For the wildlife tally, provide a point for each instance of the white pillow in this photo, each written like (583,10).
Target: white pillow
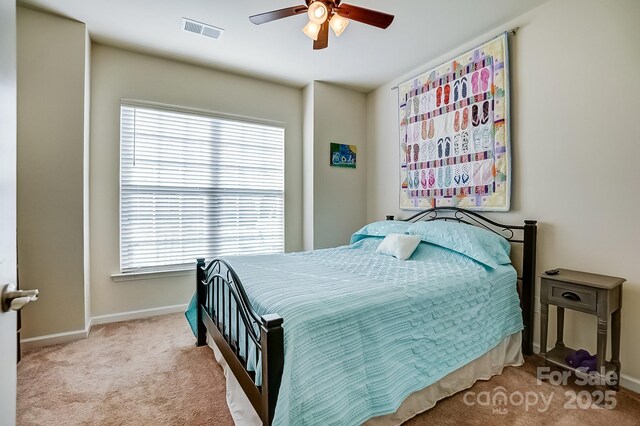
(400,246)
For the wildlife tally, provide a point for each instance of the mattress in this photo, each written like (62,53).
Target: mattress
(364,331)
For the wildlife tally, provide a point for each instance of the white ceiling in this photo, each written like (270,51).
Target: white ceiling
(363,57)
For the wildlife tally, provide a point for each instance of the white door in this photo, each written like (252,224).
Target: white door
(7,206)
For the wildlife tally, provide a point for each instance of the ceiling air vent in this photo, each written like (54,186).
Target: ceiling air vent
(203,29)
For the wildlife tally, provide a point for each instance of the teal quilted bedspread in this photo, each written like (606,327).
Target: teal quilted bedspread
(363,330)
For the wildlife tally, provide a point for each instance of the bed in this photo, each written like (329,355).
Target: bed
(349,336)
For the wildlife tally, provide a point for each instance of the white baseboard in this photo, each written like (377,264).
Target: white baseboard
(628,382)
(54,339)
(144,313)
(70,336)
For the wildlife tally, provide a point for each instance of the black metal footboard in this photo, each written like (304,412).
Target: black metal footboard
(244,338)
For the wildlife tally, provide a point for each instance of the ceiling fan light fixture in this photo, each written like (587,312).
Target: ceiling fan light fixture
(312,30)
(325,14)
(338,24)
(318,12)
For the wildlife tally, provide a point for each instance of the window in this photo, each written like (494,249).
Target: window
(197,185)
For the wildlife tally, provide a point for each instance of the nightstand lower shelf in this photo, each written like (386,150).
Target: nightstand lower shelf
(557,356)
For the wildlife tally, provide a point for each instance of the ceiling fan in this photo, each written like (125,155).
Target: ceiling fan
(324,14)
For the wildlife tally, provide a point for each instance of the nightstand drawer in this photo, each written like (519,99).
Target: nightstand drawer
(573,296)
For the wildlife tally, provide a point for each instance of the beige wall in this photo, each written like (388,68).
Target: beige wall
(117,74)
(336,206)
(575,152)
(51,142)
(307,164)
(85,179)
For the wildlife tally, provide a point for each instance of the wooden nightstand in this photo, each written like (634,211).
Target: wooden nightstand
(594,294)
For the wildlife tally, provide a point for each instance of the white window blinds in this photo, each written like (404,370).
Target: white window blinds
(195,185)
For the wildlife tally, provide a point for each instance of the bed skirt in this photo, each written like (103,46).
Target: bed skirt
(506,353)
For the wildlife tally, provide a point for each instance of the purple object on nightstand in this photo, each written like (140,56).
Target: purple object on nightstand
(576,358)
(589,364)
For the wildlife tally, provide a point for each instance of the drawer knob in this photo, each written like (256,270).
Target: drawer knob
(571,296)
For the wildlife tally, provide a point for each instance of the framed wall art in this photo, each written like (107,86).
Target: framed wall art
(343,155)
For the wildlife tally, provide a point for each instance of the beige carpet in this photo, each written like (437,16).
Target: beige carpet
(150,372)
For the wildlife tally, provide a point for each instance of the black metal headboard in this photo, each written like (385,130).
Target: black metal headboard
(516,234)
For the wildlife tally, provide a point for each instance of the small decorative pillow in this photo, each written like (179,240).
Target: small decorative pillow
(400,246)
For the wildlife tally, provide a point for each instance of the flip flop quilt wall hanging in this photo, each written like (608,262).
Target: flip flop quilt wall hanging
(454,133)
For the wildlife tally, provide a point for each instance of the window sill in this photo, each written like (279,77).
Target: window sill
(148,275)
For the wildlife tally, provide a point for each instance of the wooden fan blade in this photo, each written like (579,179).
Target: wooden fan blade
(366,16)
(323,37)
(277,14)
